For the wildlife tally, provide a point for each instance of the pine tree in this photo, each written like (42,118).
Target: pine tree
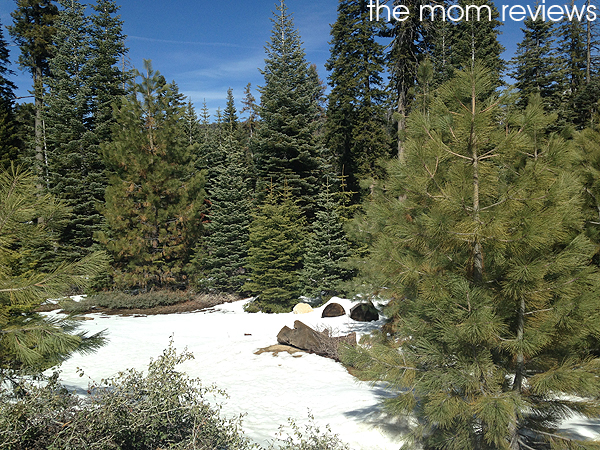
(71,155)
(155,198)
(220,259)
(33,31)
(326,250)
(285,148)
(9,141)
(30,342)
(355,127)
(275,254)
(478,234)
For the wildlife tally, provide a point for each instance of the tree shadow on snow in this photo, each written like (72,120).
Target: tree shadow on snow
(374,416)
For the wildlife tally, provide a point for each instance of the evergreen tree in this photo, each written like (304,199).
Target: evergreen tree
(155,198)
(479,236)
(572,54)
(535,66)
(192,125)
(476,40)
(285,147)
(71,156)
(275,254)
(33,31)
(326,250)
(250,107)
(106,75)
(230,117)
(9,141)
(355,128)
(30,342)
(407,47)
(220,259)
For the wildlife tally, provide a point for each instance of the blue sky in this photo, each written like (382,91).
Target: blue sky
(209,46)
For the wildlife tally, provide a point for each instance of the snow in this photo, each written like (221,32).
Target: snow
(267,389)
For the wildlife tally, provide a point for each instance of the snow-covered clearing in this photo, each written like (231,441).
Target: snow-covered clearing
(268,389)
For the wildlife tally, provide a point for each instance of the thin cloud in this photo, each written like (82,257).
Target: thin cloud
(209,44)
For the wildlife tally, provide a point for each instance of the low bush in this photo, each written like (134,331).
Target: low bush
(145,300)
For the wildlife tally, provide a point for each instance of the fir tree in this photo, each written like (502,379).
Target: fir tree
(275,254)
(535,66)
(572,54)
(192,125)
(407,47)
(476,40)
(221,256)
(249,106)
(230,117)
(106,74)
(355,127)
(285,148)
(154,199)
(30,342)
(70,143)
(326,250)
(33,30)
(479,236)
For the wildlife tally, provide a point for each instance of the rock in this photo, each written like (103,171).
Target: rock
(333,310)
(278,348)
(364,312)
(321,343)
(302,336)
(302,308)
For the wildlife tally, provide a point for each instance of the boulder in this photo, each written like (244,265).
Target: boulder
(302,308)
(302,336)
(364,312)
(319,342)
(333,310)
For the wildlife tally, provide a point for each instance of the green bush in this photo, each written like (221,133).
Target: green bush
(162,409)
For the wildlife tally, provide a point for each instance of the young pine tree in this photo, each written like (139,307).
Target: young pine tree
(31,342)
(155,197)
(275,250)
(479,235)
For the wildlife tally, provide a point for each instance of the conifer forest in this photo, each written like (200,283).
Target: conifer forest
(422,168)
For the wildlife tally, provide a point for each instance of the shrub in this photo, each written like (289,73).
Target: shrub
(162,409)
